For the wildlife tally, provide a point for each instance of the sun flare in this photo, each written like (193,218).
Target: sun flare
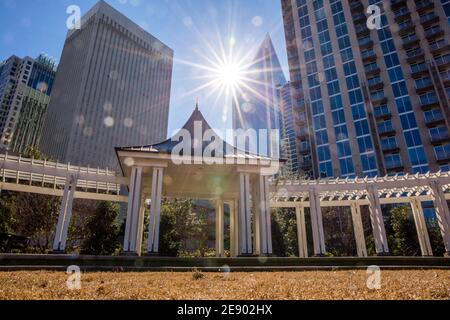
(229,75)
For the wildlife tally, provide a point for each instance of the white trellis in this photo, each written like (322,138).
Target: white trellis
(68,182)
(410,189)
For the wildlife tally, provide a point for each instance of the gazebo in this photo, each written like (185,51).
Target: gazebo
(196,163)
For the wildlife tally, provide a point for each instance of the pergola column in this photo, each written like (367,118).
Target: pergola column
(234,228)
(301,231)
(263,223)
(421,227)
(361,248)
(155,211)
(130,245)
(220,252)
(245,228)
(65,213)
(376,217)
(442,212)
(317,223)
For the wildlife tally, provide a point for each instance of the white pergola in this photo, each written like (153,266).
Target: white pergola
(373,192)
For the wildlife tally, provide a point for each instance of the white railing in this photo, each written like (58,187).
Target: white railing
(53,175)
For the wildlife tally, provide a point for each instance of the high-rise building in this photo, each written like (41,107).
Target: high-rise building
(370,102)
(112,88)
(259,107)
(25,88)
(289,150)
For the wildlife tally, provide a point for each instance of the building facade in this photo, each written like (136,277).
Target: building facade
(112,88)
(25,88)
(370,102)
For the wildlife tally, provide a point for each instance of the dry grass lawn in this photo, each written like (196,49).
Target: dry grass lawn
(417,284)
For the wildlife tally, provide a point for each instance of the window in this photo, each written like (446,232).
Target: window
(346,166)
(321,137)
(349,68)
(368,162)
(336,102)
(352,82)
(341,132)
(408,121)
(326,170)
(323,153)
(391,60)
(333,87)
(319,122)
(328,62)
(355,96)
(331,74)
(358,111)
(338,117)
(317,107)
(412,138)
(344,149)
(365,144)
(403,104)
(400,89)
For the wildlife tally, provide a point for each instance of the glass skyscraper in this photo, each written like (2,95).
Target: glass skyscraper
(25,88)
(370,102)
(259,106)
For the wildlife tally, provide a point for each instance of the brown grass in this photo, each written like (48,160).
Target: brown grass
(418,284)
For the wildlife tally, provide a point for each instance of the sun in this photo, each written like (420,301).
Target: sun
(229,75)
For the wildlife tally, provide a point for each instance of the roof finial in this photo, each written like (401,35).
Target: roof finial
(196,105)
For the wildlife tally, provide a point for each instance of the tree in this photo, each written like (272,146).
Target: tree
(284,233)
(169,238)
(403,241)
(102,230)
(35,217)
(7,212)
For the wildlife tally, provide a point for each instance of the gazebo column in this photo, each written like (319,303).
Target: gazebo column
(245,228)
(65,213)
(361,248)
(421,227)
(220,252)
(301,231)
(130,246)
(317,223)
(442,212)
(263,223)
(140,231)
(376,217)
(155,211)
(234,230)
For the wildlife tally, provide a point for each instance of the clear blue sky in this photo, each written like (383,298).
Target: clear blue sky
(29,27)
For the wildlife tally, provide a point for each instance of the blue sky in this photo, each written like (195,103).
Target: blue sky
(29,27)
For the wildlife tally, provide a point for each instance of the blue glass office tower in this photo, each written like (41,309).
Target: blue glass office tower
(370,102)
(259,105)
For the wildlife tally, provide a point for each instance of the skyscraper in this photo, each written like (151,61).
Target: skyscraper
(289,150)
(370,102)
(259,107)
(112,88)
(25,88)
